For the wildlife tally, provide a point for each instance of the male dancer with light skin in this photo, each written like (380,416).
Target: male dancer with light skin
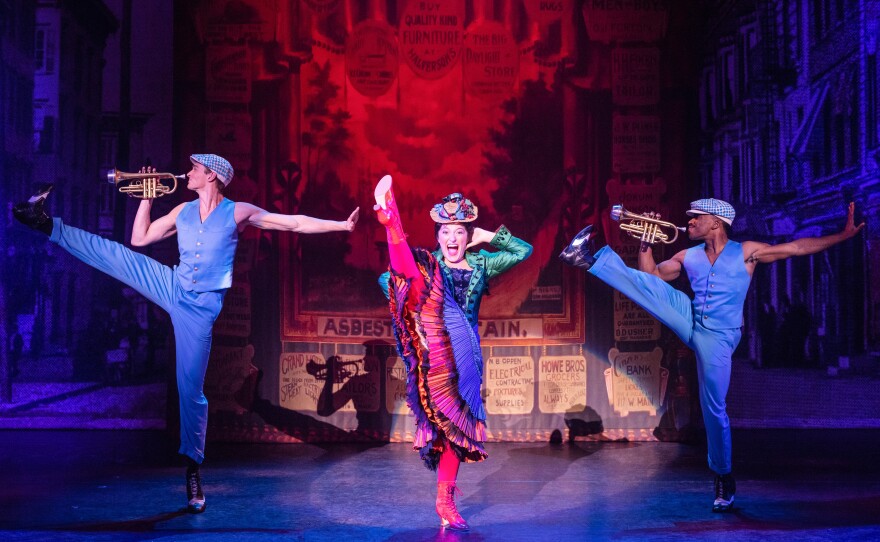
(192,292)
(720,271)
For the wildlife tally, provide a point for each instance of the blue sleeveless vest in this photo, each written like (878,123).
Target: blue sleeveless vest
(720,289)
(207,249)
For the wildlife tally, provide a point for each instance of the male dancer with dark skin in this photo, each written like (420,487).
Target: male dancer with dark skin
(720,271)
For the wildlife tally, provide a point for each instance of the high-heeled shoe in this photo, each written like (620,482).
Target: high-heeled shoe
(579,252)
(449,516)
(386,209)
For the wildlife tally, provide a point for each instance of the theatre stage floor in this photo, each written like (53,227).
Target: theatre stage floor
(126,485)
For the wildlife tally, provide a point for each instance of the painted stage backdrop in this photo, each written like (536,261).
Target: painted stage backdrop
(545,113)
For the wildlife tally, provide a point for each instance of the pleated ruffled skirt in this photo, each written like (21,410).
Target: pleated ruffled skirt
(441,351)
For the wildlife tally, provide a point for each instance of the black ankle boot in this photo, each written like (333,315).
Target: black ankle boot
(579,252)
(32,214)
(725,489)
(194,494)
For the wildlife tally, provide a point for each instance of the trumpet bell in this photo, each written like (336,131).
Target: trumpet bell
(144,185)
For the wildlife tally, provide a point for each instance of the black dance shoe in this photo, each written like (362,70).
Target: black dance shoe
(725,488)
(196,498)
(31,212)
(579,252)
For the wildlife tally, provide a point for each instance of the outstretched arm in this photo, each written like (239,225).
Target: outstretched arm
(764,253)
(146,231)
(667,270)
(247,214)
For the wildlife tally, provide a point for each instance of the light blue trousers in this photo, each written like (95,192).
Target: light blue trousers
(714,348)
(192,314)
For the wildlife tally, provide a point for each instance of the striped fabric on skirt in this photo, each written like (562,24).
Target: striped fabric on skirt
(444,364)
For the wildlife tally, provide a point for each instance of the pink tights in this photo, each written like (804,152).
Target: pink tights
(447,469)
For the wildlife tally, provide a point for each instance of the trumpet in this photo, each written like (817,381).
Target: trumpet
(644,228)
(144,185)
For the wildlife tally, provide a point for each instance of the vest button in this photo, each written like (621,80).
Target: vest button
(198,255)
(195,268)
(194,281)
(705,316)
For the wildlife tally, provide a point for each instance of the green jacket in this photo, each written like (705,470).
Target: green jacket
(485,265)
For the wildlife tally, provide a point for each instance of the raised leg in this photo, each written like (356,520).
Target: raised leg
(399,253)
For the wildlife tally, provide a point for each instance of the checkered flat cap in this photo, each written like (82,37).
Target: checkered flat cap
(217,164)
(716,207)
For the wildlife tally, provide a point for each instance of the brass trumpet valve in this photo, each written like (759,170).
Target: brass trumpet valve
(144,185)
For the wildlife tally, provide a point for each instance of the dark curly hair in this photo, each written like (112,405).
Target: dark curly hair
(468,226)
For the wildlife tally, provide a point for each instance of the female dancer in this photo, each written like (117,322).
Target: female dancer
(434,300)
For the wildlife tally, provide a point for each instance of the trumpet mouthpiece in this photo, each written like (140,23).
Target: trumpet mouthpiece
(111,176)
(617,212)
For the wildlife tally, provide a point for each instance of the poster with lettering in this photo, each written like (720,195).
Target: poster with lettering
(635,143)
(635,76)
(546,12)
(298,387)
(626,20)
(235,21)
(355,383)
(230,369)
(491,60)
(323,7)
(509,383)
(245,254)
(637,197)
(631,322)
(636,382)
(359,329)
(235,319)
(362,329)
(371,58)
(520,328)
(431,36)
(562,383)
(395,386)
(229,135)
(228,74)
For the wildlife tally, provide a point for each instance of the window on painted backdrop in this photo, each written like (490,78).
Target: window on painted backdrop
(44,51)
